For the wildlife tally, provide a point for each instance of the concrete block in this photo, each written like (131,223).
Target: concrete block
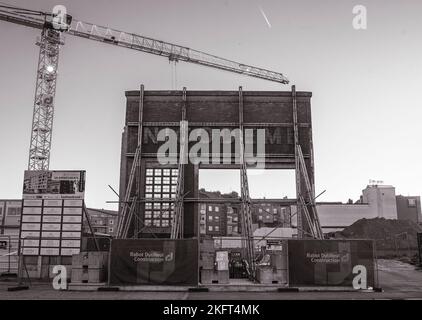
(85,275)
(223,276)
(207,261)
(264,275)
(207,276)
(278,261)
(97,259)
(79,260)
(280,276)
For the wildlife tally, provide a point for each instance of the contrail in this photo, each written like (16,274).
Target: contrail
(265,16)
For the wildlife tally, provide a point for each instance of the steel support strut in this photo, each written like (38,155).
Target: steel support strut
(247,231)
(177,221)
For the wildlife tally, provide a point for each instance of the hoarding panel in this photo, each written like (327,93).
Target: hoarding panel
(50,251)
(31,210)
(72,211)
(71,243)
(51,227)
(50,243)
(53,185)
(30,251)
(72,219)
(73,203)
(56,219)
(30,242)
(30,234)
(71,234)
(154,261)
(50,234)
(72,227)
(46,194)
(27,218)
(30,226)
(54,211)
(53,203)
(32,203)
(69,251)
(329,262)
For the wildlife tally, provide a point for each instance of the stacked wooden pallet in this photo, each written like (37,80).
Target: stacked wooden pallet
(89,267)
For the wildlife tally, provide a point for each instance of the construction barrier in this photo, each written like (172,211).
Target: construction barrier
(330,262)
(154,262)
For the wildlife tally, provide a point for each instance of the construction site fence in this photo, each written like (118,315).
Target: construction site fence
(9,258)
(303,270)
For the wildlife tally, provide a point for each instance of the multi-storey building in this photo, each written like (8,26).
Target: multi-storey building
(225,219)
(271,215)
(10,217)
(102,221)
(409,208)
(233,220)
(218,219)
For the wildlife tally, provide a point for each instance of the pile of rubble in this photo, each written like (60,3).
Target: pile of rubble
(389,234)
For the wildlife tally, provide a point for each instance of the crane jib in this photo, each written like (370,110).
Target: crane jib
(133,41)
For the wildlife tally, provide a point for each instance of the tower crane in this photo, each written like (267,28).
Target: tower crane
(54,25)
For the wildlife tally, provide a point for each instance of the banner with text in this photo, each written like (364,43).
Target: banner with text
(330,262)
(154,261)
(52,213)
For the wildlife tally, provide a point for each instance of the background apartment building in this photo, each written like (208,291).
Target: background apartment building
(217,219)
(102,221)
(376,201)
(271,215)
(10,216)
(409,208)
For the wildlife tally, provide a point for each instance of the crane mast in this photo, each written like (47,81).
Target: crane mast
(45,91)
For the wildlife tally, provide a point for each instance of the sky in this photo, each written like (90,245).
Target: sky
(366,84)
